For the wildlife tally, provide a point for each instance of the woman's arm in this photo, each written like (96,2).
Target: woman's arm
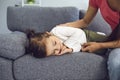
(91,12)
(94,46)
(112,44)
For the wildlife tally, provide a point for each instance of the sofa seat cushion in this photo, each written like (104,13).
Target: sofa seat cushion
(76,66)
(6,69)
(12,45)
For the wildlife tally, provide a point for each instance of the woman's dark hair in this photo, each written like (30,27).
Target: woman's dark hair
(36,43)
(115,35)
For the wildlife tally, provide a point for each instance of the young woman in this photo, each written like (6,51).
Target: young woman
(110,10)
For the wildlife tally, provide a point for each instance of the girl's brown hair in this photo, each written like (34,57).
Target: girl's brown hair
(37,43)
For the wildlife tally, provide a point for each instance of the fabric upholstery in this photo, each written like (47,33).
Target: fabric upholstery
(6,69)
(76,66)
(12,45)
(39,18)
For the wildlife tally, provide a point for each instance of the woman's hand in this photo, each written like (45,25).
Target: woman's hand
(76,24)
(69,24)
(91,47)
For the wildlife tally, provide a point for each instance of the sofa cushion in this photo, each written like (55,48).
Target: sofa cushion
(12,45)
(39,18)
(6,69)
(76,66)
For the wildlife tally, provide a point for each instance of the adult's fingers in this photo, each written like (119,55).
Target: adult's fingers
(85,49)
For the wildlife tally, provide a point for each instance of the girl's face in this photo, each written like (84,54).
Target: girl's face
(53,45)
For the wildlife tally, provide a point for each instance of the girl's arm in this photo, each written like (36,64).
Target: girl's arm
(91,12)
(72,37)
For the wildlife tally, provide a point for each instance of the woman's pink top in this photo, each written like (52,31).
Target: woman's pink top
(112,17)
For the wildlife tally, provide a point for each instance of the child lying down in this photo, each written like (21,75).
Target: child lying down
(60,40)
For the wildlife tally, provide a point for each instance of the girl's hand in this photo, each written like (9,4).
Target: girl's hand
(65,50)
(91,47)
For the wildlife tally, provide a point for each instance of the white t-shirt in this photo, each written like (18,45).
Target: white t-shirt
(71,37)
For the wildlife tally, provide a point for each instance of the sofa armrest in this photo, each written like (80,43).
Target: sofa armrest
(12,45)
(98,23)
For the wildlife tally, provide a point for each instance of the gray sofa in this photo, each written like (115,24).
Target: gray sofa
(17,64)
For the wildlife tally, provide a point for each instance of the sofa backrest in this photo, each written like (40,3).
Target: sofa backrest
(43,19)
(39,18)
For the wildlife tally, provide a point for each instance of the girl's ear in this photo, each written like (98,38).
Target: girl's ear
(30,33)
